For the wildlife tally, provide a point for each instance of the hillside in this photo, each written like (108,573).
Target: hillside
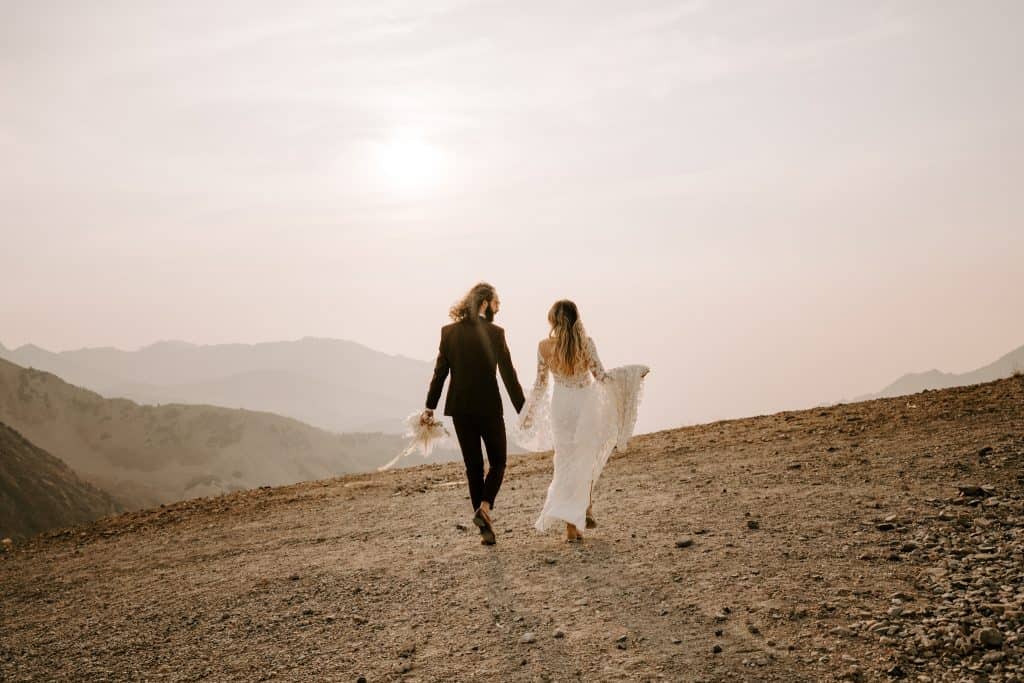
(39,492)
(322,382)
(914,382)
(145,455)
(829,544)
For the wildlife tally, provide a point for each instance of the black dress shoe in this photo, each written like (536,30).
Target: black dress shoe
(483,521)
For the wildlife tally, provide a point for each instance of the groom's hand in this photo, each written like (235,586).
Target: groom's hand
(426,416)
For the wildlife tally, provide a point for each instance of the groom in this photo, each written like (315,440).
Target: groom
(471,348)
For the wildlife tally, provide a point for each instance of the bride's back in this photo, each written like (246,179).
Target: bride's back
(578,376)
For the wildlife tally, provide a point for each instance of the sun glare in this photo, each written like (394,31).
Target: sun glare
(407,163)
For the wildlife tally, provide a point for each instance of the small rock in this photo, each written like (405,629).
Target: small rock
(753,524)
(973,491)
(895,671)
(990,637)
(293,577)
(461,527)
(716,649)
(684,542)
(558,633)
(885,526)
(551,560)
(621,639)
(676,641)
(528,638)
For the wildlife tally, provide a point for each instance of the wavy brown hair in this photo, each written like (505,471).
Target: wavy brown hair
(569,354)
(469,305)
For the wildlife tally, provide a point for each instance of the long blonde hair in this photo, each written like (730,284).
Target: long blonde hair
(469,305)
(569,354)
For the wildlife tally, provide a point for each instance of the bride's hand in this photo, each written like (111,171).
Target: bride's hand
(646,372)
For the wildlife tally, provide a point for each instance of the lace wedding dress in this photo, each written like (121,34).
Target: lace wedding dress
(583,417)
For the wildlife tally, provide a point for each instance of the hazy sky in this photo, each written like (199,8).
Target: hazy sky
(773,204)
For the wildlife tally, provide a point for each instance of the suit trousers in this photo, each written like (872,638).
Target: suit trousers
(490,429)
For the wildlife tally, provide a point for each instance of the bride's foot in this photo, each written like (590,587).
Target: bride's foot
(572,534)
(591,522)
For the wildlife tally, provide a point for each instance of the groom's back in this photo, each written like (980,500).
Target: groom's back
(472,350)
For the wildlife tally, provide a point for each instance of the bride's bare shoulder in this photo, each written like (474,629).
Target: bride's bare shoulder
(544,347)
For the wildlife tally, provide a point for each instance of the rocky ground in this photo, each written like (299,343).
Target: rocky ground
(872,541)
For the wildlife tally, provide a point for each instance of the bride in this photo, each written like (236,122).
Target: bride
(589,413)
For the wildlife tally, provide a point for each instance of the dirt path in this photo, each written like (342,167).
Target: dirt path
(382,576)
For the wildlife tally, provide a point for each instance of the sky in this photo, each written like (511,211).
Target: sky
(773,204)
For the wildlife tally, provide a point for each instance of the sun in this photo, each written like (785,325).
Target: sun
(407,163)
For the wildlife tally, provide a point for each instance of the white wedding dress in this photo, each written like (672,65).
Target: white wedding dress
(583,417)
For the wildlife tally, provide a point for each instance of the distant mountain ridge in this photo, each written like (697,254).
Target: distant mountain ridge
(915,382)
(333,384)
(144,455)
(39,492)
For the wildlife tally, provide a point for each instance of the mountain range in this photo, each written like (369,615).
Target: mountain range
(915,382)
(39,491)
(144,455)
(333,384)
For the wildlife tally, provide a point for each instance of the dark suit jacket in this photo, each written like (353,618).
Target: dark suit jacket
(471,350)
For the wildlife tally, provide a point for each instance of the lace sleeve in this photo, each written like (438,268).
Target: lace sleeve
(540,386)
(533,429)
(594,362)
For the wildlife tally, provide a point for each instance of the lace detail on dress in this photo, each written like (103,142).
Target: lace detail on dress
(533,429)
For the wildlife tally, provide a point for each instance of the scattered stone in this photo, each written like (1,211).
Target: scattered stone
(895,671)
(527,638)
(676,641)
(684,542)
(558,633)
(461,527)
(753,524)
(972,491)
(621,639)
(885,526)
(716,649)
(990,637)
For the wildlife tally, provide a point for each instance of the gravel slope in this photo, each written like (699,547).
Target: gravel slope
(817,545)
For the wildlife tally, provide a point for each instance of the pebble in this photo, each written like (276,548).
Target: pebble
(558,633)
(527,638)
(684,542)
(990,637)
